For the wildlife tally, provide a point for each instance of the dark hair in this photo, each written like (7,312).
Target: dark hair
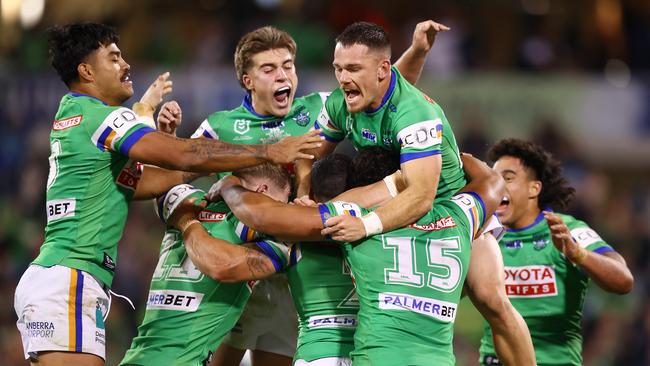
(556,192)
(371,165)
(329,176)
(260,40)
(368,34)
(71,44)
(275,173)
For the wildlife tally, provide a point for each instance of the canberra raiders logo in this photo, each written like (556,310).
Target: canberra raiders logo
(302,119)
(242,126)
(540,241)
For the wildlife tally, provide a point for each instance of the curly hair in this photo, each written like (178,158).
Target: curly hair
(329,176)
(556,192)
(371,165)
(71,44)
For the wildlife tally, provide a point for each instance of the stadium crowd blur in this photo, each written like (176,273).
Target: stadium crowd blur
(603,40)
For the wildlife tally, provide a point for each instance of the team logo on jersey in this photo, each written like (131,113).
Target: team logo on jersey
(174,300)
(392,107)
(211,216)
(67,123)
(368,135)
(302,119)
(269,125)
(513,244)
(443,223)
(540,241)
(530,281)
(242,126)
(387,140)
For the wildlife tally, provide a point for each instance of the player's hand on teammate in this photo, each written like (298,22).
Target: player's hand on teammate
(157,90)
(344,228)
(425,34)
(214,194)
(305,201)
(292,148)
(186,211)
(562,239)
(170,117)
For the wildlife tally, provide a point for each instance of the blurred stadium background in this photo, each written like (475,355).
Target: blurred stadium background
(572,75)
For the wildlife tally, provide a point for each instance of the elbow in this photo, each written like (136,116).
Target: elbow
(625,285)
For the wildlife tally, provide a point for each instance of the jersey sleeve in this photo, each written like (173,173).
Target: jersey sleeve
(119,131)
(330,119)
(339,208)
(206,130)
(473,209)
(587,238)
(419,133)
(277,251)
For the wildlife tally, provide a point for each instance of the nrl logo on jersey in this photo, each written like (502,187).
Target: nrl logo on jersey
(302,119)
(242,126)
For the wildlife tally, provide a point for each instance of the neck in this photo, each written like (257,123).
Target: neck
(93,92)
(527,219)
(383,89)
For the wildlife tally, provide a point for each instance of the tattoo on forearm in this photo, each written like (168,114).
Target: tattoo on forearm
(257,264)
(210,149)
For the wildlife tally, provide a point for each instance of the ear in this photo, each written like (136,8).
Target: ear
(86,72)
(383,71)
(262,188)
(534,188)
(247,81)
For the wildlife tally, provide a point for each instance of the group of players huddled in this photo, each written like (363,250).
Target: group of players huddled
(365,266)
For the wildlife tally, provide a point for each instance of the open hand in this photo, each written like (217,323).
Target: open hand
(157,90)
(293,148)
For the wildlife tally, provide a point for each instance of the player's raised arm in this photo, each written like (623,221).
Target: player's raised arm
(411,62)
(483,181)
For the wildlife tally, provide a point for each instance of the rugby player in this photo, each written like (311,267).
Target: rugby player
(375,106)
(197,294)
(433,256)
(264,64)
(549,256)
(96,148)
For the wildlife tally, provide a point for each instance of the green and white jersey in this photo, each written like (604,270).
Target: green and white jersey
(243,125)
(407,121)
(90,184)
(409,283)
(188,313)
(546,289)
(325,300)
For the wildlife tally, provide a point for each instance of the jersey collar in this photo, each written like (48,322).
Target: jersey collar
(389,92)
(538,219)
(73,94)
(248,104)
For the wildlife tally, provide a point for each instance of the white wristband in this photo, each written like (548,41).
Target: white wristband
(372,224)
(390,184)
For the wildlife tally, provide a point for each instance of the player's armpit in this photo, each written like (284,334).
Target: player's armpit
(484,181)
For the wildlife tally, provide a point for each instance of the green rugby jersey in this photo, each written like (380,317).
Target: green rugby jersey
(90,184)
(546,289)
(325,301)
(243,125)
(409,283)
(188,313)
(407,121)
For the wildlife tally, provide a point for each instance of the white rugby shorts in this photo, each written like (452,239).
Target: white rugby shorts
(60,309)
(269,322)
(326,361)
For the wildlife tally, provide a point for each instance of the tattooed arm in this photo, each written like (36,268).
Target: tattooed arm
(224,261)
(207,156)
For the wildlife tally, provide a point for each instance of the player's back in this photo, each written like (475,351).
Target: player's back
(90,184)
(187,313)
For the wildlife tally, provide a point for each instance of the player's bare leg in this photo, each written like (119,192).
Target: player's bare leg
(485,285)
(227,356)
(261,358)
(66,359)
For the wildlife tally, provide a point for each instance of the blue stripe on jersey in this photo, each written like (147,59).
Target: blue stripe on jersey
(480,200)
(324,213)
(78,307)
(389,92)
(404,157)
(603,250)
(293,256)
(273,256)
(133,138)
(328,138)
(161,202)
(101,141)
(248,104)
(244,232)
(86,95)
(206,134)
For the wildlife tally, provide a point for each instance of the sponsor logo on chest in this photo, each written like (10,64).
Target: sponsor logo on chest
(368,135)
(211,216)
(130,175)
(272,124)
(66,123)
(333,321)
(531,281)
(174,300)
(443,223)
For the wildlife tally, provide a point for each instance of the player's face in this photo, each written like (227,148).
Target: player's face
(521,191)
(359,72)
(272,81)
(111,74)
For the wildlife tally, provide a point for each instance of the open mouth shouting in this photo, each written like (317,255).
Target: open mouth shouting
(505,202)
(126,79)
(282,94)
(351,95)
